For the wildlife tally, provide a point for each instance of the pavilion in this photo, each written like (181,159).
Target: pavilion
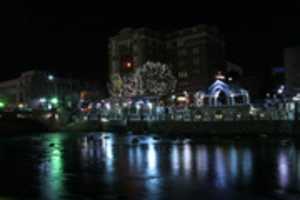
(222,94)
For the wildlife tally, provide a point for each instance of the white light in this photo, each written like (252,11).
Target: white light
(181,98)
(49,107)
(50,77)
(150,105)
(229,78)
(104,120)
(42,100)
(138,106)
(107,105)
(173,97)
(21,106)
(125,104)
(297,97)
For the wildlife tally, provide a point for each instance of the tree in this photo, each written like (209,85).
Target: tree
(156,79)
(150,79)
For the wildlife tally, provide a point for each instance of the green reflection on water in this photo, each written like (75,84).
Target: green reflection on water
(52,180)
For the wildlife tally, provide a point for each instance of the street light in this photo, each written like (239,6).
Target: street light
(50,77)
(43,100)
(2,104)
(54,100)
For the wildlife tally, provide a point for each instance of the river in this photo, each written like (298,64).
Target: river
(113,166)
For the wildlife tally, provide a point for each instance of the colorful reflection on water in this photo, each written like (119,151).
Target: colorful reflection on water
(144,167)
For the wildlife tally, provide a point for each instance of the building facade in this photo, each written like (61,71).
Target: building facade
(194,54)
(32,86)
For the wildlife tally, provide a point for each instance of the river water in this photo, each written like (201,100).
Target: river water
(112,166)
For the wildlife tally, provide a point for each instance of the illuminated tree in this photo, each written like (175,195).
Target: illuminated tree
(149,79)
(156,79)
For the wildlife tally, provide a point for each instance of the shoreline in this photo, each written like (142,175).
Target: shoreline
(192,129)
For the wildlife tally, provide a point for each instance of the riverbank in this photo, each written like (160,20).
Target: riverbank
(201,129)
(197,129)
(10,126)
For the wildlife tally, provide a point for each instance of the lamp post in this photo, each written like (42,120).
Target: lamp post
(51,78)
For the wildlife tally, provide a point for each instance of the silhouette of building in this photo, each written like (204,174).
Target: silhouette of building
(292,64)
(195,54)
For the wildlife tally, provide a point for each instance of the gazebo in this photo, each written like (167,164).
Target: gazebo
(222,94)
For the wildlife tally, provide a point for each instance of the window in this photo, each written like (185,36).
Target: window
(195,50)
(182,74)
(196,61)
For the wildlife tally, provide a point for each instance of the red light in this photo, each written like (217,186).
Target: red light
(128,64)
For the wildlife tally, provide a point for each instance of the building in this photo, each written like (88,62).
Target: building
(34,87)
(132,48)
(195,54)
(292,65)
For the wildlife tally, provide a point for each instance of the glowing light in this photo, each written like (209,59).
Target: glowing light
(128,64)
(107,105)
(150,106)
(151,160)
(229,78)
(21,106)
(297,97)
(220,76)
(54,100)
(49,107)
(43,100)
(50,77)
(220,167)
(2,104)
(181,99)
(283,169)
(138,106)
(104,120)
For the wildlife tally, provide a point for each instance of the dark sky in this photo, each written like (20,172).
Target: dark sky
(70,38)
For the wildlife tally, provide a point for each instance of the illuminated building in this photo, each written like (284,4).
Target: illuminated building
(33,88)
(195,54)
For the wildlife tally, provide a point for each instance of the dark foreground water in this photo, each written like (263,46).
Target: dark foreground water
(110,166)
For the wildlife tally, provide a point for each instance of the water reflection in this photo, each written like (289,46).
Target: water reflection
(152,166)
(247,165)
(52,168)
(283,169)
(202,162)
(109,163)
(220,168)
(187,159)
(175,162)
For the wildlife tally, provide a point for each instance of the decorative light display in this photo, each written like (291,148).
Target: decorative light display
(220,76)
(54,100)
(149,79)
(2,104)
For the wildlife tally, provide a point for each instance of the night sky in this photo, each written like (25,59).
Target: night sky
(72,39)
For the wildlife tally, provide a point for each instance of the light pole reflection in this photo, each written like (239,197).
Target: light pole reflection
(202,161)
(283,169)
(175,163)
(220,168)
(187,159)
(247,164)
(233,157)
(152,160)
(52,168)
(108,142)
